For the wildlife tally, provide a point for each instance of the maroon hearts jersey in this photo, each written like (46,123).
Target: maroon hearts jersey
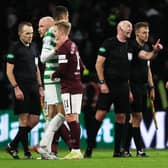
(70,67)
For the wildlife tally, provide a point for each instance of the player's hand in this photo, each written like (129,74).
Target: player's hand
(18,93)
(104,88)
(157,46)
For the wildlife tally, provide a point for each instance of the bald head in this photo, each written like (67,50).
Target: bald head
(44,24)
(124,24)
(47,21)
(124,29)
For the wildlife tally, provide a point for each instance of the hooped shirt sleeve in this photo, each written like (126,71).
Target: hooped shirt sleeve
(48,46)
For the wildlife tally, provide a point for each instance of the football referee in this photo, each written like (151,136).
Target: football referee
(24,76)
(112,68)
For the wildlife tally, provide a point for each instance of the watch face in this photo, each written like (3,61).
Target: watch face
(101,81)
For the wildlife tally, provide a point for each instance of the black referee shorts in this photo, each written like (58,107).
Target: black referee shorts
(119,96)
(140,98)
(31,103)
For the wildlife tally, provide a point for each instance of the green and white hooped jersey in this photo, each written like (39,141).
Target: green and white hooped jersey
(51,65)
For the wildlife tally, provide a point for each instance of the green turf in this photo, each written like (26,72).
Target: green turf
(100,159)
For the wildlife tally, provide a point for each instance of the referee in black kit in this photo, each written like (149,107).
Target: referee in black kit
(24,76)
(112,68)
(141,82)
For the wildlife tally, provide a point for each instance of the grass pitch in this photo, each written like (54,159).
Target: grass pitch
(100,159)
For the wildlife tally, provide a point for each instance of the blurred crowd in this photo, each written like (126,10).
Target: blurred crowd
(92,22)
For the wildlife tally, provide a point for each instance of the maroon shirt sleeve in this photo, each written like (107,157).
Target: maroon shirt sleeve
(61,70)
(69,68)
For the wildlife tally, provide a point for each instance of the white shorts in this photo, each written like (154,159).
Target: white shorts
(52,94)
(72,103)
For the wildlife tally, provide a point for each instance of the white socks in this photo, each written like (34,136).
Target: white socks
(52,127)
(47,124)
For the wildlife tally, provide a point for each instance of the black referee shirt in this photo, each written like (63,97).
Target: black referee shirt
(138,66)
(23,58)
(116,66)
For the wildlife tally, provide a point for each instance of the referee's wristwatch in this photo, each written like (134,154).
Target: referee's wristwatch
(101,82)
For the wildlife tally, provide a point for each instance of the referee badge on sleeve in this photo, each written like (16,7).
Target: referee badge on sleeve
(10,56)
(102,49)
(36,61)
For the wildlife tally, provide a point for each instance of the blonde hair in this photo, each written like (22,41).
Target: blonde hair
(64,25)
